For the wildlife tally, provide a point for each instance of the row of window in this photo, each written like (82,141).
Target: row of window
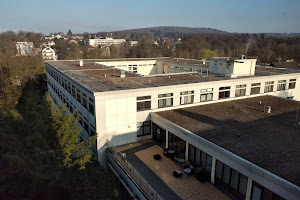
(90,129)
(231,180)
(80,96)
(187,97)
(199,158)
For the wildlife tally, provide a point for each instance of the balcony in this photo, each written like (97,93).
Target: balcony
(155,177)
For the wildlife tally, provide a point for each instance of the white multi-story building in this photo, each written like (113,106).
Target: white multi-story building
(121,100)
(25,48)
(48,53)
(104,42)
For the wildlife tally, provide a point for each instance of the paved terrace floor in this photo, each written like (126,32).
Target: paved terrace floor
(159,174)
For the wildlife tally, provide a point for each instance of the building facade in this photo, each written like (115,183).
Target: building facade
(104,42)
(118,99)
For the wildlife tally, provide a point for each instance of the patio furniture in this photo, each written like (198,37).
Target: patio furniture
(181,161)
(187,171)
(171,153)
(157,157)
(202,176)
(177,173)
(165,152)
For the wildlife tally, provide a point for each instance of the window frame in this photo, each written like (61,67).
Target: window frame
(163,98)
(225,91)
(254,87)
(269,86)
(292,83)
(143,103)
(240,90)
(141,127)
(186,97)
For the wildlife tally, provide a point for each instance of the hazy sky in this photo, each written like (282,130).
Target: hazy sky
(252,16)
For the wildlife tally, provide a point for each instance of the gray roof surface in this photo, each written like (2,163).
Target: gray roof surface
(99,78)
(271,141)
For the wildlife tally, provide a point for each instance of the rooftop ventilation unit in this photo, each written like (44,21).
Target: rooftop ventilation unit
(268,109)
(242,56)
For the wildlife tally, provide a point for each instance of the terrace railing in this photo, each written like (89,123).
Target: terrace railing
(132,173)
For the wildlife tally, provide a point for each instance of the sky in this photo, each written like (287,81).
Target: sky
(241,16)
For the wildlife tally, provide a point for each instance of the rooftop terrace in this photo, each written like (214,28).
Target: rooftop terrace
(101,78)
(269,140)
(159,174)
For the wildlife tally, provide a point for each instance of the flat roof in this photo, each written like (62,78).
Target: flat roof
(270,141)
(100,78)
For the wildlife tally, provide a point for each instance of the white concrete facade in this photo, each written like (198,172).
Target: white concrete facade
(232,67)
(104,42)
(115,116)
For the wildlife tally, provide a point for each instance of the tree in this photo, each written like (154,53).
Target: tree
(67,132)
(69,33)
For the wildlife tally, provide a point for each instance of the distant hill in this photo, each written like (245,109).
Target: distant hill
(180,31)
(174,29)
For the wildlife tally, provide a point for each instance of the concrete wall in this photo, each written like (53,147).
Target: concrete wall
(244,69)
(240,67)
(147,67)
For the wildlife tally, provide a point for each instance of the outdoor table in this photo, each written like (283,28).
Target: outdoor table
(180,160)
(171,153)
(187,171)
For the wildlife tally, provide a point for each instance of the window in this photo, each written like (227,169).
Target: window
(240,90)
(91,106)
(255,88)
(292,84)
(165,100)
(269,86)
(186,97)
(92,132)
(78,96)
(143,103)
(206,95)
(69,88)
(143,128)
(86,127)
(259,192)
(84,101)
(231,180)
(73,91)
(281,85)
(224,92)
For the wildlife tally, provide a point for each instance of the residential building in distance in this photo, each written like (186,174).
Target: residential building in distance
(104,42)
(48,53)
(25,48)
(133,43)
(234,123)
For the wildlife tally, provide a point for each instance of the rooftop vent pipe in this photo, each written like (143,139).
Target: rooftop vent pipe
(268,109)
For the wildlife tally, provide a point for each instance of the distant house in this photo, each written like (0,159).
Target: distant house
(48,53)
(25,48)
(73,41)
(133,43)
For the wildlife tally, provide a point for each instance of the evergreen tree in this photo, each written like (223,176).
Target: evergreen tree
(67,132)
